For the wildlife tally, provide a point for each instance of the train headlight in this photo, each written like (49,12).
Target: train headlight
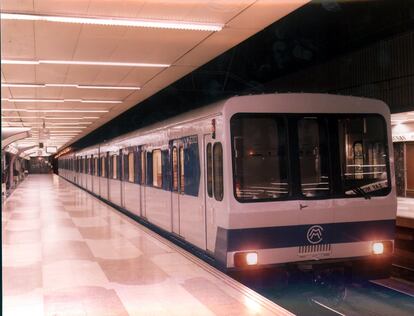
(377,248)
(382,247)
(242,259)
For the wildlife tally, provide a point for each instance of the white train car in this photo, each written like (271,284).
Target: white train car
(259,181)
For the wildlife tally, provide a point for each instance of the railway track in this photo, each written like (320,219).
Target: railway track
(365,298)
(385,297)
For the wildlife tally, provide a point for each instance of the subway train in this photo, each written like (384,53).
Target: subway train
(259,181)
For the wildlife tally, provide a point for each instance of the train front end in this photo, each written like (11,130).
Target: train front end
(312,184)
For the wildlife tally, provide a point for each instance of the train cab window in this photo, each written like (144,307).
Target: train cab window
(259,154)
(103,167)
(181,169)
(313,157)
(209,171)
(218,171)
(364,155)
(114,166)
(156,168)
(131,164)
(175,169)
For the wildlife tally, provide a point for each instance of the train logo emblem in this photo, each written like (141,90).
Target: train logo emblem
(314,234)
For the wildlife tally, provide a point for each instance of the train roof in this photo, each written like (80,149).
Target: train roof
(358,105)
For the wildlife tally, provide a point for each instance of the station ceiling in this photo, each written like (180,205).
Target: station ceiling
(70,66)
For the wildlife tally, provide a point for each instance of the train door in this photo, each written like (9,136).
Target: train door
(314,180)
(177,161)
(210,225)
(143,182)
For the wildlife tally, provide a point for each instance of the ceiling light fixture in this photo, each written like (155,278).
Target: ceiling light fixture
(48,117)
(22,85)
(61,100)
(33,100)
(148,23)
(79,62)
(54,111)
(66,85)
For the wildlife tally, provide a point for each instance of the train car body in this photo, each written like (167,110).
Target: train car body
(258,181)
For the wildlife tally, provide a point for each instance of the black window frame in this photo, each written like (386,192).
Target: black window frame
(336,184)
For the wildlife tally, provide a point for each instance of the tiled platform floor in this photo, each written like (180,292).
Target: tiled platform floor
(67,253)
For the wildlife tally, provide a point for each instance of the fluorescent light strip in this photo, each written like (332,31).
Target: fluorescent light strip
(54,111)
(60,100)
(66,85)
(79,62)
(33,100)
(22,85)
(163,24)
(48,124)
(19,62)
(49,117)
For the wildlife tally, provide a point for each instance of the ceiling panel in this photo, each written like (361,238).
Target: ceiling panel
(263,13)
(67,7)
(113,75)
(155,45)
(21,93)
(49,74)
(17,39)
(5,92)
(97,42)
(217,11)
(18,73)
(16,5)
(125,8)
(139,76)
(56,40)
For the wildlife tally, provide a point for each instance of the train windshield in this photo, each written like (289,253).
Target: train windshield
(259,157)
(322,156)
(363,155)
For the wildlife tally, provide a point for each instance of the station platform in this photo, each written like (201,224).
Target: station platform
(67,253)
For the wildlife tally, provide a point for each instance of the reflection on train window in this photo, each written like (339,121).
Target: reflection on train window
(259,157)
(209,170)
(103,171)
(96,170)
(175,169)
(218,171)
(114,166)
(363,151)
(156,168)
(143,168)
(313,156)
(182,179)
(131,165)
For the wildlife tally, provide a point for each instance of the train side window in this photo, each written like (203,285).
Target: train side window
(143,168)
(103,171)
(131,164)
(114,166)
(209,170)
(175,169)
(218,171)
(182,175)
(96,170)
(156,168)
(149,170)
